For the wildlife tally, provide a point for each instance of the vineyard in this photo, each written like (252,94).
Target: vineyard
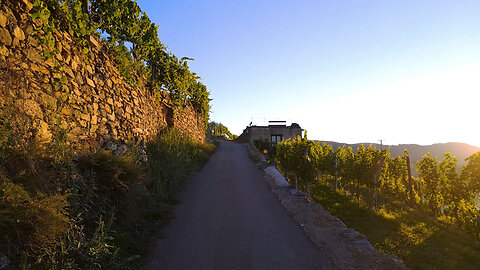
(416,218)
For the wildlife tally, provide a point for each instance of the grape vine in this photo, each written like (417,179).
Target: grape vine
(438,187)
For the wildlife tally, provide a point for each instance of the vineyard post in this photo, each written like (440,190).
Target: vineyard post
(377,175)
(336,171)
(410,184)
(86,6)
(306,159)
(420,190)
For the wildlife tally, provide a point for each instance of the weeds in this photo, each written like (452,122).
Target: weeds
(172,158)
(93,211)
(420,240)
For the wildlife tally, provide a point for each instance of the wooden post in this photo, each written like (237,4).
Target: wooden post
(377,175)
(309,181)
(410,183)
(336,171)
(86,6)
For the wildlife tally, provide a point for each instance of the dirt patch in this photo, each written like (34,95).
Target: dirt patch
(347,248)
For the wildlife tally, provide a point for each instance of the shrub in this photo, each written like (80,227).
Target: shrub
(266,147)
(32,223)
(94,211)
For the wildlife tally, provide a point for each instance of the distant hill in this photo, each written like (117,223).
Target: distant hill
(460,150)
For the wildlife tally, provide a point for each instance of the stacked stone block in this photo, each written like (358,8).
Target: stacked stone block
(82,93)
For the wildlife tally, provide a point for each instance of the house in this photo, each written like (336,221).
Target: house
(276,131)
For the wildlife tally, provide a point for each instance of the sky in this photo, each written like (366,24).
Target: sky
(346,71)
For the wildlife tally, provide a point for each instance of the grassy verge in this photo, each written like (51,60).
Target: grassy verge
(93,211)
(421,241)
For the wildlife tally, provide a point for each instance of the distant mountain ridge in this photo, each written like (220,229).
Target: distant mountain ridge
(460,150)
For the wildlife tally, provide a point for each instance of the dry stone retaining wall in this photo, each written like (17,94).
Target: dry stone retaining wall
(82,93)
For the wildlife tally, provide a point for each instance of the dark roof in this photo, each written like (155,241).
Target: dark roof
(294,125)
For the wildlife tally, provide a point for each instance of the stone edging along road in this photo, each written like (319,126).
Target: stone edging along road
(346,248)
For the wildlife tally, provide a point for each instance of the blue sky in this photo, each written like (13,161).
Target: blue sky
(348,71)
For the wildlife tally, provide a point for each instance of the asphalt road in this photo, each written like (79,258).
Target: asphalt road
(228,218)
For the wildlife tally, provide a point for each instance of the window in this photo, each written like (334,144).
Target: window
(276,139)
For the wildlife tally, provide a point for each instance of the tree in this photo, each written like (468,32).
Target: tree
(220,130)
(471,172)
(470,183)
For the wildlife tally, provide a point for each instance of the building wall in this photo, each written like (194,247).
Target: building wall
(265,133)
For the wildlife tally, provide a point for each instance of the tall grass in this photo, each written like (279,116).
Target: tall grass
(171,159)
(93,211)
(420,240)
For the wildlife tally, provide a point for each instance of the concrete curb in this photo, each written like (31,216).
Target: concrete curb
(278,179)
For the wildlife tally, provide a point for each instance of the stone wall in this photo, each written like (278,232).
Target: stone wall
(190,122)
(77,92)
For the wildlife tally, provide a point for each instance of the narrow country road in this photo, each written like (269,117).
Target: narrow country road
(227,218)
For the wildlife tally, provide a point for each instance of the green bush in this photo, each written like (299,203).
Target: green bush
(266,147)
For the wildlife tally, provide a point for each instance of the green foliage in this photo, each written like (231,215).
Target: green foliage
(304,160)
(471,172)
(62,15)
(94,211)
(346,165)
(420,240)
(33,223)
(172,159)
(118,173)
(125,63)
(367,161)
(42,12)
(429,171)
(443,216)
(265,147)
(123,22)
(395,182)
(220,131)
